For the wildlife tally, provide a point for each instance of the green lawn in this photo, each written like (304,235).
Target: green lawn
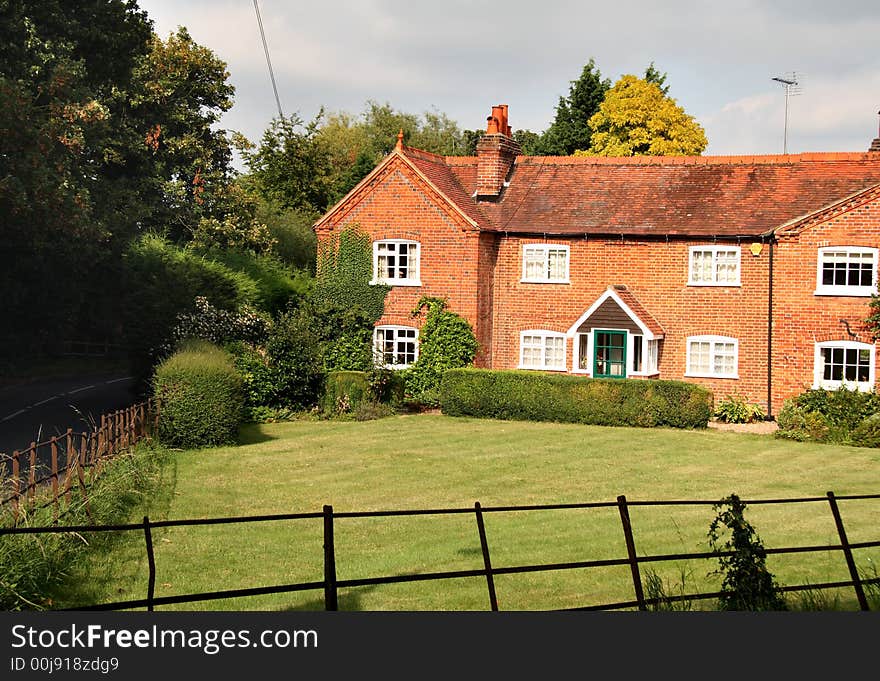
(432,461)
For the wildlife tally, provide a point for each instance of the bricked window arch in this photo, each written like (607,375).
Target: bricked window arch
(844,364)
(396,347)
(545,263)
(714,266)
(846,271)
(541,349)
(712,357)
(397,262)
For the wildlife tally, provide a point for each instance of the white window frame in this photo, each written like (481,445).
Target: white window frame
(818,366)
(713,342)
(650,353)
(844,289)
(543,334)
(714,250)
(409,280)
(545,249)
(379,352)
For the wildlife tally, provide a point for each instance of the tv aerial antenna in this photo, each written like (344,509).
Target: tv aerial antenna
(792,86)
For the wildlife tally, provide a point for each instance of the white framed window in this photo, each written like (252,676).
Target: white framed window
(714,266)
(545,264)
(643,355)
(846,271)
(844,364)
(396,347)
(712,357)
(396,262)
(542,350)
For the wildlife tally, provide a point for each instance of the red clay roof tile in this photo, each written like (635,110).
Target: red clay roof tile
(724,196)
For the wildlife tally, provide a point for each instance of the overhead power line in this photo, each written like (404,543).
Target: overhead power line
(268,61)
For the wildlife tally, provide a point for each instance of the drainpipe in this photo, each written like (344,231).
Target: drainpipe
(770,333)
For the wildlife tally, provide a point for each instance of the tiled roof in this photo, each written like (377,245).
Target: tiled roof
(438,171)
(724,196)
(633,304)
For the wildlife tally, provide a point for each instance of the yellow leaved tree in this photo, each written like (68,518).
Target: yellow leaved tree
(636,118)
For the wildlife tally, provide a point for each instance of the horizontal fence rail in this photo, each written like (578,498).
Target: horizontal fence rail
(331,584)
(50,472)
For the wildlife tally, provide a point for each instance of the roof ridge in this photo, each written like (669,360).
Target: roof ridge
(753,159)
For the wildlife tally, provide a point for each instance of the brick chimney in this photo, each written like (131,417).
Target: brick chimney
(496,151)
(875,145)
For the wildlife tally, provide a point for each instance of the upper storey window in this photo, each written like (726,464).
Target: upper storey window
(396,262)
(714,266)
(545,264)
(846,271)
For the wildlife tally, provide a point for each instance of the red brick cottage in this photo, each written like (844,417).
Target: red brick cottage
(750,275)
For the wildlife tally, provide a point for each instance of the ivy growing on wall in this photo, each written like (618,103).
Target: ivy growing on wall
(446,341)
(872,323)
(346,302)
(344,271)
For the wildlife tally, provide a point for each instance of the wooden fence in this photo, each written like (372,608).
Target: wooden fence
(45,473)
(331,584)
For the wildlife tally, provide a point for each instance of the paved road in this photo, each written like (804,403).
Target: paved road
(37,411)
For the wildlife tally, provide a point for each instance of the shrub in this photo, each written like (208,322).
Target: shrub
(293,354)
(446,341)
(747,583)
(736,409)
(573,399)
(826,415)
(162,281)
(220,326)
(867,433)
(201,397)
(345,391)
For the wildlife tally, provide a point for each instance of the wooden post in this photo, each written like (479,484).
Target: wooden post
(53,447)
(151,582)
(487,563)
(847,552)
(82,476)
(331,601)
(631,551)
(16,486)
(70,464)
(32,474)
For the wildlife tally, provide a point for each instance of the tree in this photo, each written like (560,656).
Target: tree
(652,75)
(570,129)
(291,165)
(637,119)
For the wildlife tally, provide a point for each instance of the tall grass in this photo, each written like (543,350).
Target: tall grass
(34,566)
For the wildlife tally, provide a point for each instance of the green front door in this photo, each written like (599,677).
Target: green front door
(609,354)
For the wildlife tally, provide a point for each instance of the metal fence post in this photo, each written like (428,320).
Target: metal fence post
(487,563)
(151,582)
(330,594)
(631,551)
(847,552)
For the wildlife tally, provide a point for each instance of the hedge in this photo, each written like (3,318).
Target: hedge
(345,391)
(523,395)
(201,397)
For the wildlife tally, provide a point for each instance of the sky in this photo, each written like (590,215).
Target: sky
(461,58)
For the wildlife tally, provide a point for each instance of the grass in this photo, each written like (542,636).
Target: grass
(432,461)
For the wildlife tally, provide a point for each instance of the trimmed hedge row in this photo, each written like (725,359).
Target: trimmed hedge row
(201,397)
(523,395)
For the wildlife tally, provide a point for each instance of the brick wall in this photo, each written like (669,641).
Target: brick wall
(656,272)
(397,204)
(802,318)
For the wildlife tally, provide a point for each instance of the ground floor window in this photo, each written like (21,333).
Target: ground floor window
(613,353)
(542,350)
(712,357)
(396,347)
(844,363)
